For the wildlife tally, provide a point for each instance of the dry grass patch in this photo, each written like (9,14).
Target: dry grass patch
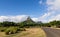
(32,32)
(55,28)
(2,34)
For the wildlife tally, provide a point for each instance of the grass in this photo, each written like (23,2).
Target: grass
(30,32)
(56,28)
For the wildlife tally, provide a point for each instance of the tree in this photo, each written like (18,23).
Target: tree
(7,23)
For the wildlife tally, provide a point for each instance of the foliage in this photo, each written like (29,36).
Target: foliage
(13,30)
(7,23)
(2,29)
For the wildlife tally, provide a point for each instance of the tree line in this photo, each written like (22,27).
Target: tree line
(25,24)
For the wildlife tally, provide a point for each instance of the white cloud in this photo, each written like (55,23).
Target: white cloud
(35,19)
(18,18)
(53,11)
(57,17)
(53,8)
(54,4)
(44,18)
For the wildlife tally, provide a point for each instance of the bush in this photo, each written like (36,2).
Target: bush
(22,29)
(7,32)
(13,30)
(2,29)
(49,26)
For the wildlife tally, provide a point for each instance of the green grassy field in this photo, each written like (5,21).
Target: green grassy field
(30,32)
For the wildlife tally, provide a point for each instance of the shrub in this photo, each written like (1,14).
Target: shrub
(13,30)
(49,26)
(7,32)
(22,29)
(2,29)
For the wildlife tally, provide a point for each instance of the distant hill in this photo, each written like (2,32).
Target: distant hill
(39,22)
(29,20)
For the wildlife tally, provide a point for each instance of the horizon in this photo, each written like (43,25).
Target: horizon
(38,10)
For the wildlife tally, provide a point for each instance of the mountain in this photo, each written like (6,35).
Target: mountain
(29,20)
(39,22)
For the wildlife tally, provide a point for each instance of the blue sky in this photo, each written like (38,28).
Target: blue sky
(22,7)
(38,10)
